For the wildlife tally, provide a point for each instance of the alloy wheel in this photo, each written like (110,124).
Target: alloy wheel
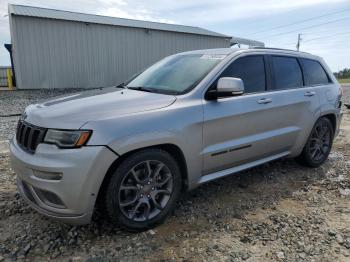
(320,141)
(145,190)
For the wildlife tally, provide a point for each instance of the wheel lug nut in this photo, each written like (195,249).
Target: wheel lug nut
(148,196)
(141,195)
(152,188)
(148,182)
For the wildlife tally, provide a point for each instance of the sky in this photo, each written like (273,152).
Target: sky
(324,24)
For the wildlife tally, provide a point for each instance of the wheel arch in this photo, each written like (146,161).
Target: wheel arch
(333,119)
(172,149)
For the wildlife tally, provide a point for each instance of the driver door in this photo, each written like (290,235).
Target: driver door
(242,129)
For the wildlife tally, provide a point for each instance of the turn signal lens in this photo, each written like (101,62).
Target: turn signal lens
(84,136)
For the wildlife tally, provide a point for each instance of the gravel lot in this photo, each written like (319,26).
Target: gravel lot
(278,211)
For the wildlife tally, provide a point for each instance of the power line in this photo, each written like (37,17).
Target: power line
(318,33)
(316,38)
(313,26)
(327,36)
(299,22)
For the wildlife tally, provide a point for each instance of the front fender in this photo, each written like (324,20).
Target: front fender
(135,142)
(123,145)
(176,125)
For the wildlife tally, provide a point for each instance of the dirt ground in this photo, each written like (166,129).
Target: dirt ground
(279,211)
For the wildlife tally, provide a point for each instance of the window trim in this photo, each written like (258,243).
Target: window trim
(229,63)
(330,81)
(273,76)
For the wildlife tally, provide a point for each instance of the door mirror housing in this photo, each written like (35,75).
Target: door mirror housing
(227,87)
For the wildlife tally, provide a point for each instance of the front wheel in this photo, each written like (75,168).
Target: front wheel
(319,144)
(143,190)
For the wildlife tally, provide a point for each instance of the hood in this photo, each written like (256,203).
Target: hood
(71,112)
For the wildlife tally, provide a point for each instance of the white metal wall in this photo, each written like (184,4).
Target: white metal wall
(52,53)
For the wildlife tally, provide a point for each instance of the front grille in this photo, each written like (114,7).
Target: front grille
(29,136)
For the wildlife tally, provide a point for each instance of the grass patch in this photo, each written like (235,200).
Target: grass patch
(344,81)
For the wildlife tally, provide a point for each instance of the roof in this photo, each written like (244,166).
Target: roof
(107,20)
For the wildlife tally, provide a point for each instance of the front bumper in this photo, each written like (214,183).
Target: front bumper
(71,197)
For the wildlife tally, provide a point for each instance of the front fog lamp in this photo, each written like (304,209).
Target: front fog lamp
(67,138)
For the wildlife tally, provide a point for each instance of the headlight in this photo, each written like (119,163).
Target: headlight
(67,139)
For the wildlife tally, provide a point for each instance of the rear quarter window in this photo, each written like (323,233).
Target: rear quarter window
(287,72)
(314,73)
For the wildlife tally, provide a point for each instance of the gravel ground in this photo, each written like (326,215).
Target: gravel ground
(278,211)
(13,104)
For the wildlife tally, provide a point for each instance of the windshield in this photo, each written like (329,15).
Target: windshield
(176,74)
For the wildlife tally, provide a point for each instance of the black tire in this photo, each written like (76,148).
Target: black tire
(136,172)
(318,145)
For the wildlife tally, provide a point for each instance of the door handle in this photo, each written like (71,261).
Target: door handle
(264,100)
(310,93)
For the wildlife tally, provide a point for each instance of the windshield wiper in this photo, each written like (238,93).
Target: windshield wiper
(122,85)
(141,88)
(154,90)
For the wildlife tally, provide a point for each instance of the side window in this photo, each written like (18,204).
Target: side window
(287,72)
(314,73)
(251,69)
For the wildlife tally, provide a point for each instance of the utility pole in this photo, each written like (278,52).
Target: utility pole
(299,40)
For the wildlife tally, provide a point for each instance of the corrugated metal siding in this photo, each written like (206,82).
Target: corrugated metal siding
(3,75)
(65,54)
(98,19)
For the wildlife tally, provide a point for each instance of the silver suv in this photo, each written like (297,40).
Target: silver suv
(191,118)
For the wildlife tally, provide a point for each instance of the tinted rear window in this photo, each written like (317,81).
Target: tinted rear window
(314,73)
(251,69)
(287,72)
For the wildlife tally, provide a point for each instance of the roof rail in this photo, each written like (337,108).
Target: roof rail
(280,49)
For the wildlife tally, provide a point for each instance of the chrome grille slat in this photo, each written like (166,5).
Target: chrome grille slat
(29,136)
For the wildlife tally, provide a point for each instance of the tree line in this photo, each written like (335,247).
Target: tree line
(343,74)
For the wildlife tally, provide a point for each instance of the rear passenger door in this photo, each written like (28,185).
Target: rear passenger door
(295,104)
(318,81)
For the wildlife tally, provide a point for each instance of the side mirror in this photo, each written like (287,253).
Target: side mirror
(226,87)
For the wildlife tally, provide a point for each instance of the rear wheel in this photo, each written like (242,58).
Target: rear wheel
(143,190)
(319,144)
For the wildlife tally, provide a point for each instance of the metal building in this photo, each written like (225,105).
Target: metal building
(60,49)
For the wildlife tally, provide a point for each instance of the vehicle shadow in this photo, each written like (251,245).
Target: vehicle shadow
(235,195)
